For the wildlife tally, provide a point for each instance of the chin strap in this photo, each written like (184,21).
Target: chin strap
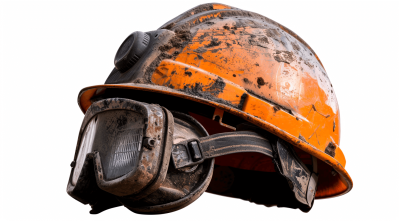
(301,180)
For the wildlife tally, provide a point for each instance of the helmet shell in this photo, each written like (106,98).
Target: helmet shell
(252,67)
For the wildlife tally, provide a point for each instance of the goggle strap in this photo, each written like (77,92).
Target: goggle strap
(302,181)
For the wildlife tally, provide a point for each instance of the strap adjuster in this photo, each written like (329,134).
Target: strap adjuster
(187,153)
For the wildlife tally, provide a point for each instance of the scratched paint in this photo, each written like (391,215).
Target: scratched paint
(239,52)
(265,73)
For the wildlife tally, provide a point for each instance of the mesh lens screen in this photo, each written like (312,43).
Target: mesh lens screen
(124,153)
(117,136)
(118,140)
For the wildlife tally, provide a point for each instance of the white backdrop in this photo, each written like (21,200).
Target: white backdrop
(52,49)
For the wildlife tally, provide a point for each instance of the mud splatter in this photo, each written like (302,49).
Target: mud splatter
(242,100)
(169,26)
(189,73)
(302,138)
(200,50)
(214,42)
(284,56)
(331,149)
(183,34)
(263,40)
(276,108)
(201,37)
(260,81)
(308,64)
(217,87)
(295,46)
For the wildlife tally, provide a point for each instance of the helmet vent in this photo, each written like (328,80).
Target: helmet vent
(133,60)
(131,50)
(146,39)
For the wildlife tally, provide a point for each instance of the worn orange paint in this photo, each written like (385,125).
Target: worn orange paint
(203,18)
(220,6)
(178,75)
(288,91)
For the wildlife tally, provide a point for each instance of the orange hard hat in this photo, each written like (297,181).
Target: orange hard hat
(237,66)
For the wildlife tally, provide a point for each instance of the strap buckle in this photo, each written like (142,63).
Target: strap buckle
(187,153)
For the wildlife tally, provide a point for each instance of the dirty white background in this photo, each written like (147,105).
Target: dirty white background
(52,49)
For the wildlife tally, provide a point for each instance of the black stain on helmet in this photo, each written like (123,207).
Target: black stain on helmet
(217,87)
(200,50)
(331,149)
(260,82)
(210,93)
(242,100)
(276,108)
(183,34)
(334,126)
(214,42)
(204,35)
(188,73)
(302,138)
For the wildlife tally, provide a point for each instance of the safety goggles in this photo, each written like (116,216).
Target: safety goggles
(152,160)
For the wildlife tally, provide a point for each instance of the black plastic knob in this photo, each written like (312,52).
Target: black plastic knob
(131,50)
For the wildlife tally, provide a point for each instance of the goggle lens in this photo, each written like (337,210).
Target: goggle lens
(119,137)
(85,148)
